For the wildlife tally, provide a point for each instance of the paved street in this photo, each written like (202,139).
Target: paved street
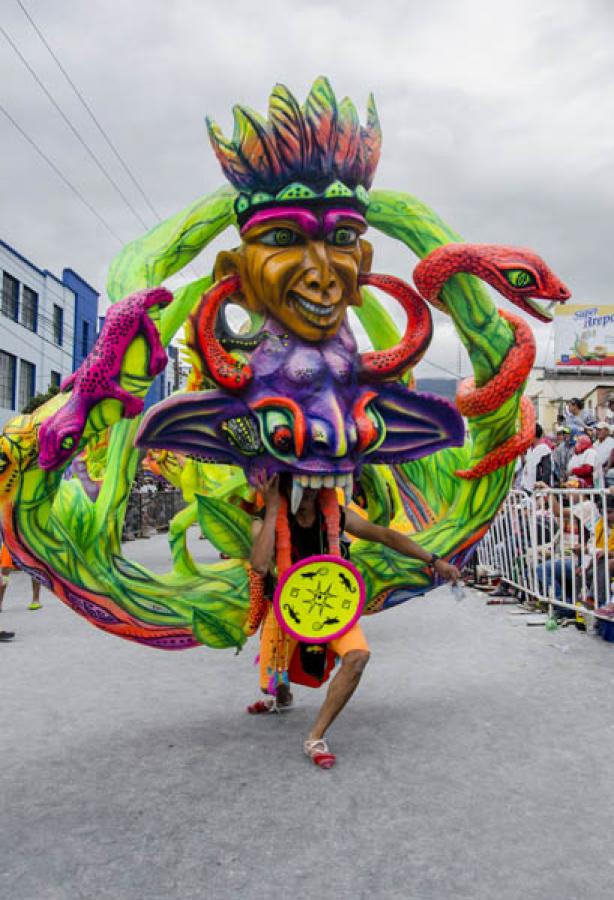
(473,763)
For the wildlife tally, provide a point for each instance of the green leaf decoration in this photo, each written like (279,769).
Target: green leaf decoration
(214,632)
(228,527)
(132,570)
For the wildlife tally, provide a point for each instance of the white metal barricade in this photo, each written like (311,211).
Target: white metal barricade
(553,546)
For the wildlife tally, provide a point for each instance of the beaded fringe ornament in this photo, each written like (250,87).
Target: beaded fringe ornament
(329,507)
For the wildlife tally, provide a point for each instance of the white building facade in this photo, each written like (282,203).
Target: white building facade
(37,331)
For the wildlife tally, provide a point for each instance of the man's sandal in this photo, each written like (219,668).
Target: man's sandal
(270,705)
(318,751)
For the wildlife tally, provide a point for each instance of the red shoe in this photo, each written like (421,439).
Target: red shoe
(261,706)
(270,705)
(318,751)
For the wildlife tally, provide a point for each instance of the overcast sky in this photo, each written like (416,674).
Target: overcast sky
(499,115)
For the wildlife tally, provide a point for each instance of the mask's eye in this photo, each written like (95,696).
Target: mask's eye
(67,443)
(279,431)
(4,461)
(343,237)
(280,237)
(283,427)
(282,439)
(520,278)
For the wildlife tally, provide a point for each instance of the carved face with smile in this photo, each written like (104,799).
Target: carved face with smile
(301,266)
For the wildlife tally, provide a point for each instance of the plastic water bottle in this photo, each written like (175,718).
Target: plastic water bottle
(457,590)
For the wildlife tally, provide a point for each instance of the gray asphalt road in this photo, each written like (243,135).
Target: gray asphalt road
(474,762)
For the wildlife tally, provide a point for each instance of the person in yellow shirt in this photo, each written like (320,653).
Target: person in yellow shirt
(603,568)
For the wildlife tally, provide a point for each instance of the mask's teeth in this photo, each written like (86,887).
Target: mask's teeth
(297,495)
(315,481)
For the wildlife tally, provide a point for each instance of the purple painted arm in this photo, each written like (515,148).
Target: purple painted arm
(97,377)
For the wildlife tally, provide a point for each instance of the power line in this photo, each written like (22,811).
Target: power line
(65,347)
(455,375)
(90,112)
(61,175)
(74,130)
(101,129)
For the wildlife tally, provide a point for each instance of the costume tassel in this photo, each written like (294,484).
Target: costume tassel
(272,685)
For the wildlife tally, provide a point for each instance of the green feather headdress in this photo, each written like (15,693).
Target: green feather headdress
(307,154)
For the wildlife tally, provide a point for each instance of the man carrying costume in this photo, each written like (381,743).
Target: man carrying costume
(294,398)
(303,179)
(309,539)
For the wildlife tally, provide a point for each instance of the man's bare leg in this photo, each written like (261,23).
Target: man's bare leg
(4,580)
(339,692)
(36,593)
(282,700)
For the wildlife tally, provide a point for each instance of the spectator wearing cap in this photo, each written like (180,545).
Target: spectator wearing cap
(561,454)
(609,416)
(604,448)
(576,417)
(583,464)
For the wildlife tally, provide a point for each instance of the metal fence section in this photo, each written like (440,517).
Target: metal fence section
(151,511)
(553,546)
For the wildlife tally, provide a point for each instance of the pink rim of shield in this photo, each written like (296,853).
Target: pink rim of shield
(311,560)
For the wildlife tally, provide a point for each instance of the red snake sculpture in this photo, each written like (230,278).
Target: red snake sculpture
(521,276)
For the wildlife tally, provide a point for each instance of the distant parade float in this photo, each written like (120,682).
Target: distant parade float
(291,394)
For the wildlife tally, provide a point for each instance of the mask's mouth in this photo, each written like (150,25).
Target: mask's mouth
(319,314)
(344,481)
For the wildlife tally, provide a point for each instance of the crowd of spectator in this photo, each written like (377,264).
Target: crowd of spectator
(573,532)
(579,453)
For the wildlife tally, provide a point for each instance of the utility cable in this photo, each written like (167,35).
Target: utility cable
(90,112)
(61,175)
(428,362)
(101,129)
(65,118)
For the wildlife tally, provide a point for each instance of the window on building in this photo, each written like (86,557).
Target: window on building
(54,379)
(27,383)
(85,338)
(29,308)
(8,366)
(10,296)
(58,324)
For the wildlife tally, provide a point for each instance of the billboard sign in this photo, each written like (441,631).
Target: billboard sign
(584,335)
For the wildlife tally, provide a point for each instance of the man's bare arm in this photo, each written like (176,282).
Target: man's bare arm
(263,531)
(368,531)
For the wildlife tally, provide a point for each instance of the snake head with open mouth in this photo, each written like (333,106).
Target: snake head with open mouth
(518,274)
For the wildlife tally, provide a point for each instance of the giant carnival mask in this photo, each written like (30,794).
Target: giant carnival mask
(296,395)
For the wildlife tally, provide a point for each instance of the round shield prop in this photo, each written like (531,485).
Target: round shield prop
(319,598)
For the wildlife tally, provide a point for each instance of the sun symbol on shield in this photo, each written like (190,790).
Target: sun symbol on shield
(319,598)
